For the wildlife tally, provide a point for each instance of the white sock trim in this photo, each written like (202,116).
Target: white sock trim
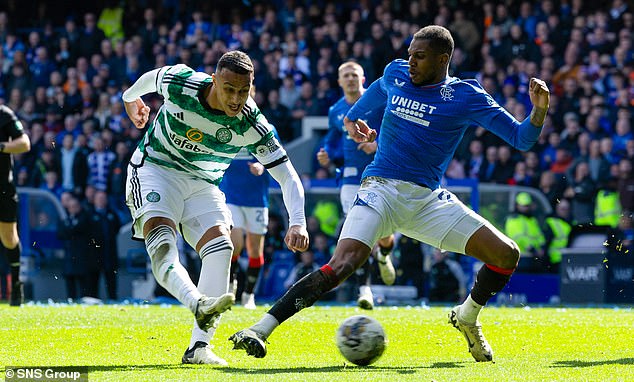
(470,310)
(266,325)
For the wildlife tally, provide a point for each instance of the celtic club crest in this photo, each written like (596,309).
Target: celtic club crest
(153,197)
(223,135)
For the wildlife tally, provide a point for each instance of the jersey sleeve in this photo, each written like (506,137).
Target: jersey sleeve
(268,149)
(373,98)
(177,74)
(10,123)
(484,111)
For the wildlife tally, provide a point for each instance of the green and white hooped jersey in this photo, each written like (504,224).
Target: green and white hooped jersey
(189,136)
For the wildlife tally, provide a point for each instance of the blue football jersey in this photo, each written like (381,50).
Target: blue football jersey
(423,125)
(241,187)
(354,161)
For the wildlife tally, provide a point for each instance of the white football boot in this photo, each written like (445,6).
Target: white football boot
(201,354)
(478,345)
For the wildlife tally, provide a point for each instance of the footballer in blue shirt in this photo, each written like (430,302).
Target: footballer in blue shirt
(355,158)
(426,113)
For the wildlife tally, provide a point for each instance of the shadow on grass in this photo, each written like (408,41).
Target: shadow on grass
(244,370)
(349,368)
(576,363)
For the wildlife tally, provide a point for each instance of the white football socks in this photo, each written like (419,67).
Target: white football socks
(469,310)
(214,278)
(167,269)
(266,325)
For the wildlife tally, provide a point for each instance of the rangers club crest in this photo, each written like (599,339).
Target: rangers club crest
(446,92)
(223,135)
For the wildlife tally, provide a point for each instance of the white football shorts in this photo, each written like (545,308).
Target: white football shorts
(347,195)
(251,219)
(193,204)
(435,217)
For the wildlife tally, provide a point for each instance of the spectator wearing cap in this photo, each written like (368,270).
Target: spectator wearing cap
(524,228)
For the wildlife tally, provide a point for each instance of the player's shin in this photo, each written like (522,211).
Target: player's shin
(302,294)
(168,271)
(13,257)
(214,278)
(253,272)
(489,281)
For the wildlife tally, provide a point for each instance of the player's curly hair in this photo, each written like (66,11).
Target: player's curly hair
(236,61)
(439,38)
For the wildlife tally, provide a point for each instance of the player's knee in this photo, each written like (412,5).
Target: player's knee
(348,258)
(510,256)
(161,247)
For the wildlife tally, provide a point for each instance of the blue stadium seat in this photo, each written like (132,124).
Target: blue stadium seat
(273,280)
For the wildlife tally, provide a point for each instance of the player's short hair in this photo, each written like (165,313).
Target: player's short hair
(236,61)
(439,38)
(350,63)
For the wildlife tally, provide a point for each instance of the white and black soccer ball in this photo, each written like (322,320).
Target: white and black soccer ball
(361,339)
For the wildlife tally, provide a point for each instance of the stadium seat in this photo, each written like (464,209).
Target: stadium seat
(273,280)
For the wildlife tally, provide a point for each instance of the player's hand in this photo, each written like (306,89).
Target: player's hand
(297,238)
(359,131)
(138,112)
(256,168)
(323,158)
(368,147)
(539,93)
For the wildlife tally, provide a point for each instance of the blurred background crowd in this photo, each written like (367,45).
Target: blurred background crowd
(63,69)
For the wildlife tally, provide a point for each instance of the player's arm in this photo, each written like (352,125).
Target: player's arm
(17,145)
(540,98)
(138,112)
(373,98)
(293,194)
(521,135)
(18,142)
(272,155)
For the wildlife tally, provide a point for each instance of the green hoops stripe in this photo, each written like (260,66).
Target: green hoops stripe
(189,156)
(209,141)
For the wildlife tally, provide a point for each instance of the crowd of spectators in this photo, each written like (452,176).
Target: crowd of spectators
(64,74)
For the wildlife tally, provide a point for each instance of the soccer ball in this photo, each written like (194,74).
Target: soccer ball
(361,339)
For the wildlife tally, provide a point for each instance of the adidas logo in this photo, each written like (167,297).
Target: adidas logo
(179,115)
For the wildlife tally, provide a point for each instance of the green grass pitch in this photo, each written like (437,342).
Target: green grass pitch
(145,343)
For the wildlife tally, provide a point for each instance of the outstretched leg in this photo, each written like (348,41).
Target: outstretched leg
(349,256)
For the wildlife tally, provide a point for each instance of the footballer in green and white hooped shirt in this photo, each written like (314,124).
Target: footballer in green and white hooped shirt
(174,174)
